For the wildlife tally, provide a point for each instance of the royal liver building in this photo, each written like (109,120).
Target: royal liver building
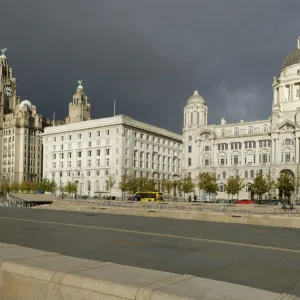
(267,146)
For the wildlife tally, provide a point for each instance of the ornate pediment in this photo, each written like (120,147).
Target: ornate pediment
(285,126)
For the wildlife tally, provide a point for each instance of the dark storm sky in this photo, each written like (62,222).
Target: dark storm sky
(150,54)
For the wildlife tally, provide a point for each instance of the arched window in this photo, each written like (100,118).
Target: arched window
(88,186)
(221,188)
(250,130)
(288,142)
(248,187)
(223,133)
(4,140)
(236,131)
(265,128)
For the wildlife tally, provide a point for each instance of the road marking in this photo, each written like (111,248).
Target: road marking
(158,235)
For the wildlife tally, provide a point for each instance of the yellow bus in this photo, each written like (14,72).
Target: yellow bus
(149,196)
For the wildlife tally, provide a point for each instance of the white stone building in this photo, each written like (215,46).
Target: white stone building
(270,145)
(87,152)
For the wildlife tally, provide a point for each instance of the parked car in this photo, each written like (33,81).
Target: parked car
(273,203)
(244,201)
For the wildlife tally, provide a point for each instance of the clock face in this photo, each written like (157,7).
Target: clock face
(8,91)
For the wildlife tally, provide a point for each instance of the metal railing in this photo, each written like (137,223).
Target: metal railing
(188,207)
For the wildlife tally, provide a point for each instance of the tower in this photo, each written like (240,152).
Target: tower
(79,108)
(195,112)
(8,97)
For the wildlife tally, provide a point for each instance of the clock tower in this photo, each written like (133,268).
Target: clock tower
(8,97)
(79,108)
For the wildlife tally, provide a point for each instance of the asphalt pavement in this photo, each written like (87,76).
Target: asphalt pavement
(263,257)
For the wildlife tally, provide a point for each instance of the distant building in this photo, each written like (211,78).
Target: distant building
(245,148)
(20,128)
(87,152)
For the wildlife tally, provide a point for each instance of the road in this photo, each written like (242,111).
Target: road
(263,257)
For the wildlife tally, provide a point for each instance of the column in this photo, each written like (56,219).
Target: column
(292,92)
(296,150)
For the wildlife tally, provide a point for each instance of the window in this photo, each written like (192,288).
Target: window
(246,174)
(98,152)
(221,188)
(61,155)
(235,159)
(222,161)
(70,137)
(98,172)
(88,173)
(53,156)
(288,142)
(53,165)
(90,134)
(98,162)
(189,137)
(287,157)
(79,163)
(89,163)
(224,174)
(206,162)
(189,161)
(248,187)
(264,158)
(252,173)
(54,139)
(206,148)
(106,151)
(107,132)
(250,130)
(89,153)
(90,144)
(79,154)
(223,133)
(79,135)
(189,149)
(69,164)
(265,128)
(236,131)
(69,154)
(107,161)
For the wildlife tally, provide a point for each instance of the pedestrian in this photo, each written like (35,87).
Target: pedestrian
(195,198)
(190,198)
(284,207)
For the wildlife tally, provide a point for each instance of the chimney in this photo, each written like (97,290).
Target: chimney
(223,121)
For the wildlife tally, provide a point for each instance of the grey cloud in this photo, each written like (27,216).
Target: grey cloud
(150,55)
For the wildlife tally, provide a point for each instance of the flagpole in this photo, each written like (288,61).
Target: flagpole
(114,107)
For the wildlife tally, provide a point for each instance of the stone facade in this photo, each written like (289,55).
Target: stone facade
(20,128)
(246,148)
(88,152)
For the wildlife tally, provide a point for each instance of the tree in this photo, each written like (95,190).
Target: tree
(124,184)
(168,187)
(175,185)
(15,187)
(110,182)
(286,185)
(71,188)
(207,182)
(187,185)
(234,185)
(47,186)
(260,185)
